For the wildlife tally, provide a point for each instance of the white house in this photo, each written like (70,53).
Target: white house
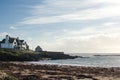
(13,43)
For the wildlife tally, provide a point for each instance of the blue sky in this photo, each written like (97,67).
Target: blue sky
(72,26)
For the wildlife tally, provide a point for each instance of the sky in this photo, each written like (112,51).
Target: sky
(71,26)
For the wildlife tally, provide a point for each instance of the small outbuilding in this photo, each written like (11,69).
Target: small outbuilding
(38,49)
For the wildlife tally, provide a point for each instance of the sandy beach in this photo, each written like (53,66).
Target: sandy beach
(24,71)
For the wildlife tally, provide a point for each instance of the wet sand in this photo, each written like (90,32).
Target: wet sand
(25,71)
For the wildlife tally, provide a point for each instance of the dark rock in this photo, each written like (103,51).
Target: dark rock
(31,77)
(84,76)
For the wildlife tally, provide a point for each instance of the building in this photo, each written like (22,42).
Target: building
(13,43)
(38,49)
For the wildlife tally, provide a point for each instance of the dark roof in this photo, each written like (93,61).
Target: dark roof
(3,41)
(21,41)
(11,40)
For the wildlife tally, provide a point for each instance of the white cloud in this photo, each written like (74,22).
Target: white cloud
(87,40)
(13,27)
(69,6)
(98,44)
(3,34)
(103,37)
(59,11)
(110,24)
(29,39)
(60,6)
(91,39)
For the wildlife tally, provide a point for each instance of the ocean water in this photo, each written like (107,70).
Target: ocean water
(90,60)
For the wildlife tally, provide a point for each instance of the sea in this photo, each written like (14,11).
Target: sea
(88,60)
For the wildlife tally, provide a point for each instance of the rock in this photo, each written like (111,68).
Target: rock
(31,77)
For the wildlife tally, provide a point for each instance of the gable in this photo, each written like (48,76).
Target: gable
(20,42)
(11,40)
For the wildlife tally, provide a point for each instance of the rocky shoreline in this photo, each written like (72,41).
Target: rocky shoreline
(23,71)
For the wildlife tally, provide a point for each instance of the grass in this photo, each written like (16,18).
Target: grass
(17,55)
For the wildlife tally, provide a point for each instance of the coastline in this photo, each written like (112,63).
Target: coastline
(28,55)
(24,71)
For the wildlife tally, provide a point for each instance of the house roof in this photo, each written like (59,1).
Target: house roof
(11,40)
(3,41)
(19,41)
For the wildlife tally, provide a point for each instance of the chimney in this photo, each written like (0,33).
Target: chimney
(18,38)
(7,37)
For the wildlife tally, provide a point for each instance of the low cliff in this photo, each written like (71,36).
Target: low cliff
(18,55)
(55,55)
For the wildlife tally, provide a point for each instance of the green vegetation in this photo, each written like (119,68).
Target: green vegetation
(27,55)
(17,55)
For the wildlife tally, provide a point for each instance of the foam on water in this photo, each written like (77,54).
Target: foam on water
(94,61)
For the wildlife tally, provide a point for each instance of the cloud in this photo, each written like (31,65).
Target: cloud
(109,24)
(3,34)
(100,35)
(69,6)
(13,27)
(90,39)
(94,39)
(96,44)
(78,10)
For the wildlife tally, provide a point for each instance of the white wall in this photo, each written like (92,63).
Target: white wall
(12,45)
(8,45)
